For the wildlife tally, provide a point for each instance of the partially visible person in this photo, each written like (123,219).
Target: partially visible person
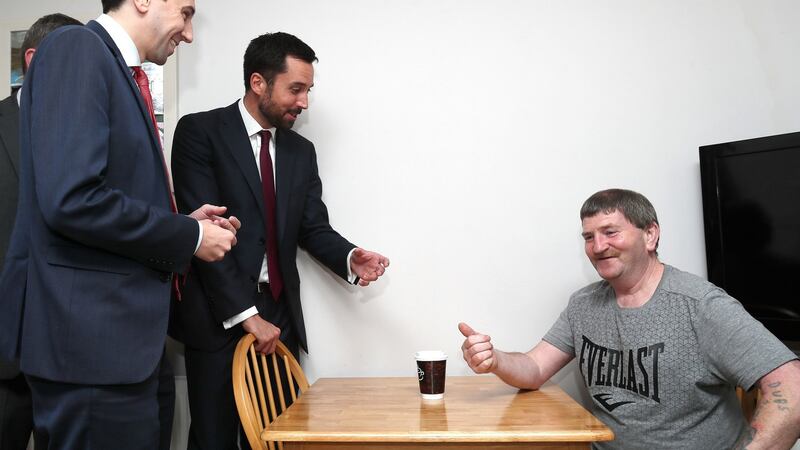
(88,276)
(16,415)
(246,156)
(661,351)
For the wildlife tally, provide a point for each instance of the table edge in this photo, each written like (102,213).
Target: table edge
(549,436)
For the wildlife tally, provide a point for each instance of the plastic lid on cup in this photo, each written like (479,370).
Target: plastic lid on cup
(430,355)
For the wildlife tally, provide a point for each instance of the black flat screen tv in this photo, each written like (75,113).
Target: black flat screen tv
(751,211)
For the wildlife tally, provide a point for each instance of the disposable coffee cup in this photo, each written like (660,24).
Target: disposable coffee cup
(431,365)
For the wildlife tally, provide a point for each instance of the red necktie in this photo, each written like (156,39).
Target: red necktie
(140,77)
(144,87)
(268,190)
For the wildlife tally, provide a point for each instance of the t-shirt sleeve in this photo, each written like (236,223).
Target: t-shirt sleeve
(560,334)
(739,348)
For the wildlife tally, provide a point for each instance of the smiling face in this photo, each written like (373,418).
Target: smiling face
(617,249)
(170,23)
(280,102)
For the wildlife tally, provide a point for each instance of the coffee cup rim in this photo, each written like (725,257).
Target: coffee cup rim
(430,355)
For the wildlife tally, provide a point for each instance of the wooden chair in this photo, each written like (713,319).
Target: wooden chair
(749,400)
(257,381)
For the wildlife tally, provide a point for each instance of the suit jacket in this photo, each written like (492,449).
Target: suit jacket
(9,165)
(86,283)
(213,162)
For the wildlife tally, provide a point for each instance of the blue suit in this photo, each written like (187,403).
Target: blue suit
(87,276)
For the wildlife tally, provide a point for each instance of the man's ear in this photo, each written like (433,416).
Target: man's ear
(652,233)
(29,56)
(141,5)
(258,84)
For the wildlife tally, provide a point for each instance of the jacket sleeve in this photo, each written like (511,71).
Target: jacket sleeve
(76,132)
(227,287)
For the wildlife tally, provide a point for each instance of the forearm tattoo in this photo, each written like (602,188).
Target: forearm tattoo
(745,438)
(777,397)
(773,394)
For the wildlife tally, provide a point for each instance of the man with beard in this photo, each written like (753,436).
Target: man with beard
(660,351)
(247,156)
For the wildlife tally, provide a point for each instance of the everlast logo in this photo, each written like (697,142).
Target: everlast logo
(632,370)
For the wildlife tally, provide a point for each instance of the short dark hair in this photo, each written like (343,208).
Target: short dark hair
(266,55)
(110,5)
(633,205)
(41,28)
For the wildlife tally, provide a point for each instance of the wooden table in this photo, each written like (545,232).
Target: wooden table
(477,412)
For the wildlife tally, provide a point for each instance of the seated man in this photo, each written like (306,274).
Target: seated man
(661,351)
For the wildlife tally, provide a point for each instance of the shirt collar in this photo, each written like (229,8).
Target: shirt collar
(122,39)
(250,124)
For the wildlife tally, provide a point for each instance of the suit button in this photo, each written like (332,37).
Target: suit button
(262,241)
(253,279)
(165,277)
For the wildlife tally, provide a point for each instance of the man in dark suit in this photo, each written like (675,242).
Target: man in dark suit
(88,274)
(16,415)
(226,155)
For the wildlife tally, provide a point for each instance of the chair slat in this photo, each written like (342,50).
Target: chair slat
(260,411)
(289,380)
(278,382)
(270,395)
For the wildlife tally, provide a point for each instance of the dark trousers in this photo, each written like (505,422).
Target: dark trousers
(16,413)
(126,417)
(215,421)
(166,403)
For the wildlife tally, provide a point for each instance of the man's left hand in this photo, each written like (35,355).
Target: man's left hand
(214,214)
(367,265)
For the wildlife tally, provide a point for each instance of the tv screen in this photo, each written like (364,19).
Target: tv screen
(751,208)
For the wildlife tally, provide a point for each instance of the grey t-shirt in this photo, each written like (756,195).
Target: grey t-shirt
(663,376)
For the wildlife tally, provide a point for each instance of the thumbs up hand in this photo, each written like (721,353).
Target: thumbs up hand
(477,350)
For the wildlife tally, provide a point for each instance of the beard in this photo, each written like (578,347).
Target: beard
(277,116)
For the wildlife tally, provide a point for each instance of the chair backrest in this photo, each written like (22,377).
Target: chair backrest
(749,400)
(263,386)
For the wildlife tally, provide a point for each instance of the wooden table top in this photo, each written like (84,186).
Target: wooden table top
(474,409)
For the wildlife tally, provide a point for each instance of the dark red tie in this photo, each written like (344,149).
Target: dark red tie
(268,190)
(144,87)
(140,77)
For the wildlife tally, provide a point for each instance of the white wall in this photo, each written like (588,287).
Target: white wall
(460,137)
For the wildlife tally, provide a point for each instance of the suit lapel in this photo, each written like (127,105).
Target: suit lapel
(284,171)
(235,137)
(103,34)
(9,130)
(237,141)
